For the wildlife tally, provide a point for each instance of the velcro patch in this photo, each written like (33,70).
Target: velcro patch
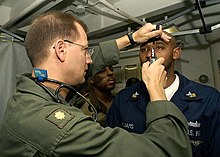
(60,117)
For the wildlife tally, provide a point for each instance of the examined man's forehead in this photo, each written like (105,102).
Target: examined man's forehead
(154,42)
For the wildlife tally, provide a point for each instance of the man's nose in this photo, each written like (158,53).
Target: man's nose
(109,71)
(150,52)
(89,60)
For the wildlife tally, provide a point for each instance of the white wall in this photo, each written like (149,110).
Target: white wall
(4,14)
(214,41)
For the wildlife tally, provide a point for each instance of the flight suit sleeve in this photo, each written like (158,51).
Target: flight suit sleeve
(162,132)
(166,135)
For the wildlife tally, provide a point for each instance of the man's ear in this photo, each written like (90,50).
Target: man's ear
(176,53)
(60,50)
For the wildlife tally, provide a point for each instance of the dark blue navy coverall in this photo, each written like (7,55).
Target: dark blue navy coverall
(199,103)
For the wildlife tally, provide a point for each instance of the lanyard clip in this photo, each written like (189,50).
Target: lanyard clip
(40,74)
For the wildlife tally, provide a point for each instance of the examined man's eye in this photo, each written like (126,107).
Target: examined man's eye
(143,49)
(158,47)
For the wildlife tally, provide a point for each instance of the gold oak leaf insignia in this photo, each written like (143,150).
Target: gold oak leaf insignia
(59,115)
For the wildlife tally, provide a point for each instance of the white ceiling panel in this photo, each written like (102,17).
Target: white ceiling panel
(104,21)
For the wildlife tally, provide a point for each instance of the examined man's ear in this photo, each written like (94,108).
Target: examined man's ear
(177,52)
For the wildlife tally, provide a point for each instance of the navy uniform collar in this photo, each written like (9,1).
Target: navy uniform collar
(188,89)
(139,95)
(138,91)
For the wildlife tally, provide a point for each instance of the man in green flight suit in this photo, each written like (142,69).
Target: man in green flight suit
(39,122)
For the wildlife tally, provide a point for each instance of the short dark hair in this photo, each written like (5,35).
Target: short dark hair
(45,29)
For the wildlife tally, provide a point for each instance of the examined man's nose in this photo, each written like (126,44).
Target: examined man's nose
(147,58)
(153,56)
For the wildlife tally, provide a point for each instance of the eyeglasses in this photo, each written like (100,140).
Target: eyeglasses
(89,50)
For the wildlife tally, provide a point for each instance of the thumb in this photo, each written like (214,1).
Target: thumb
(146,64)
(160,60)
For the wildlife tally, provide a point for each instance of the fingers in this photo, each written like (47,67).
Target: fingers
(150,28)
(164,77)
(157,27)
(161,34)
(165,37)
(155,77)
(159,60)
(146,64)
(153,30)
(154,74)
(149,31)
(156,31)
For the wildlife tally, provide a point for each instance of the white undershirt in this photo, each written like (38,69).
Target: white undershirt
(171,90)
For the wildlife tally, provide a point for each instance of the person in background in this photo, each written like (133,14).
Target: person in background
(131,81)
(199,103)
(39,122)
(100,94)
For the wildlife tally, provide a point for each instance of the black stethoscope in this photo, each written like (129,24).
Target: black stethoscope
(55,96)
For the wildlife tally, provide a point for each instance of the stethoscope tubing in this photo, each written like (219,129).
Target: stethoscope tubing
(55,96)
